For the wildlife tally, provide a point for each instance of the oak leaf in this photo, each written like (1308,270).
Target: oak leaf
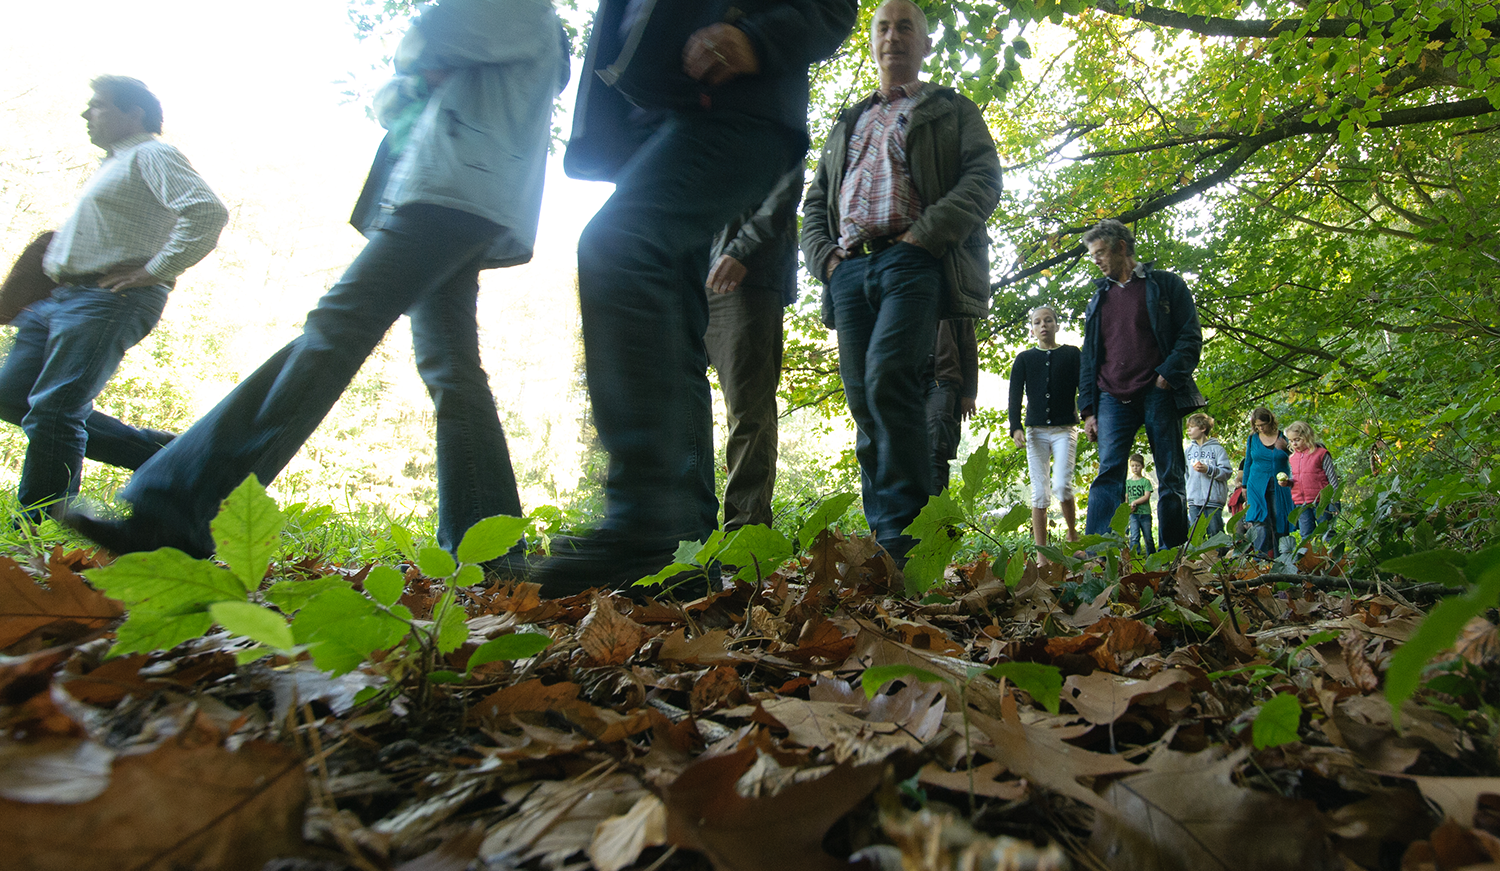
(66,606)
(708,810)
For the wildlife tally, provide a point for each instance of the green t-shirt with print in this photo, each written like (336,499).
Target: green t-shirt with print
(1135,488)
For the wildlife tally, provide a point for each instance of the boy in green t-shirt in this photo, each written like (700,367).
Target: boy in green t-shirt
(1138,494)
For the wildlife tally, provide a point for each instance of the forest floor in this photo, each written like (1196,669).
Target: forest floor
(1208,717)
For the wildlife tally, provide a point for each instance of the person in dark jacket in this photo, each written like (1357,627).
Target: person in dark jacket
(694,110)
(1047,377)
(952,393)
(894,225)
(754,276)
(1141,343)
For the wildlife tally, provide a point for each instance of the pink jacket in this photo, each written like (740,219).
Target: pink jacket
(1308,475)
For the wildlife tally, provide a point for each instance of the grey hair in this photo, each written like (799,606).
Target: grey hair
(1046,306)
(1111,231)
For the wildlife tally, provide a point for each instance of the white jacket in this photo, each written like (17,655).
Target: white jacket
(480,146)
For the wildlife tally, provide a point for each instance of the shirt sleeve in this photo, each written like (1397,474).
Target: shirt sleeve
(200,213)
(1330,471)
(1017,391)
(1222,468)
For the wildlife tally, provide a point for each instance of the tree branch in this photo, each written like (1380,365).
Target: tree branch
(1252,29)
(1399,118)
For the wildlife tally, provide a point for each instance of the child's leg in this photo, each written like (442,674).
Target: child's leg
(1146,533)
(1307,521)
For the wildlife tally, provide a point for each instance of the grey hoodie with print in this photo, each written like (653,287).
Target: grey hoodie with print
(1211,487)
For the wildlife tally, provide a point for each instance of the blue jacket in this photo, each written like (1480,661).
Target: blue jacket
(1174,323)
(480,143)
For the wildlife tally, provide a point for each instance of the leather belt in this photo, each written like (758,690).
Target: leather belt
(872,246)
(90,280)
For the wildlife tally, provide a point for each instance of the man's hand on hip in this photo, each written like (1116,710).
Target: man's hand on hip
(1091,428)
(125,277)
(833,262)
(726,275)
(718,53)
(909,239)
(1163,383)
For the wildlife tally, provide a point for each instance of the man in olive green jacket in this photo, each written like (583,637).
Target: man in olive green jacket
(894,224)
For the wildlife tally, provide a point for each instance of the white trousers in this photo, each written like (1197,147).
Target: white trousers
(1055,446)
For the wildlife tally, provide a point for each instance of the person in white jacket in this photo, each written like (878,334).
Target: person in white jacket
(1208,471)
(456,188)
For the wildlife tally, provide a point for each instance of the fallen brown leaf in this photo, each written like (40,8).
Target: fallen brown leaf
(66,608)
(1044,758)
(174,807)
(708,810)
(1184,813)
(618,841)
(607,636)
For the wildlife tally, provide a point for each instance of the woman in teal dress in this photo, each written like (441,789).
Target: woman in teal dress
(1268,482)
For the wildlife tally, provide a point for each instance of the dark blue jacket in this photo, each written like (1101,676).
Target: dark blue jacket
(1174,323)
(787,35)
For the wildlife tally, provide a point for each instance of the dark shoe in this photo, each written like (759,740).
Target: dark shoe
(511,567)
(607,562)
(134,534)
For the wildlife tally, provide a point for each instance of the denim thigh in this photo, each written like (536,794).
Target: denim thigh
(642,261)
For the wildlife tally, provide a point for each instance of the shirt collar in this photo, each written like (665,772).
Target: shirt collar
(897,92)
(128,142)
(1138,272)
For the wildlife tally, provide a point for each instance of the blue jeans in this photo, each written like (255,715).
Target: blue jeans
(1213,515)
(424,263)
(67,347)
(1309,519)
(1140,529)
(885,312)
(642,263)
(1118,423)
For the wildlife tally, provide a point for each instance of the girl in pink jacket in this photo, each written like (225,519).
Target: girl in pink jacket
(1313,472)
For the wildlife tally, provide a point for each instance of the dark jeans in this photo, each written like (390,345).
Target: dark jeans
(1213,515)
(1140,531)
(744,342)
(1118,423)
(642,262)
(885,311)
(943,429)
(424,264)
(67,347)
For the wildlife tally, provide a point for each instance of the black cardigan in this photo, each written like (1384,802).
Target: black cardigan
(1049,380)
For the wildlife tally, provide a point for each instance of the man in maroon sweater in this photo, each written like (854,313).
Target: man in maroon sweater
(1141,342)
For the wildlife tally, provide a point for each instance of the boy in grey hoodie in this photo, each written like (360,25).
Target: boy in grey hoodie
(1208,471)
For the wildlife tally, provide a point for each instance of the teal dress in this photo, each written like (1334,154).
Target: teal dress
(1267,501)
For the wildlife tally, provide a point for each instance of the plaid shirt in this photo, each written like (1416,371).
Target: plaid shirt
(145,205)
(877,198)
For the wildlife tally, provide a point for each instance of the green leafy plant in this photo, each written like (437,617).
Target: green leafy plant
(173,598)
(943,522)
(1277,722)
(1479,572)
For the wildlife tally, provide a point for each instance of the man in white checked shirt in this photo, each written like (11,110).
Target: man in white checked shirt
(143,219)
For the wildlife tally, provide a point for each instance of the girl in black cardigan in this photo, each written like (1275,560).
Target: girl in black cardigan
(1047,376)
